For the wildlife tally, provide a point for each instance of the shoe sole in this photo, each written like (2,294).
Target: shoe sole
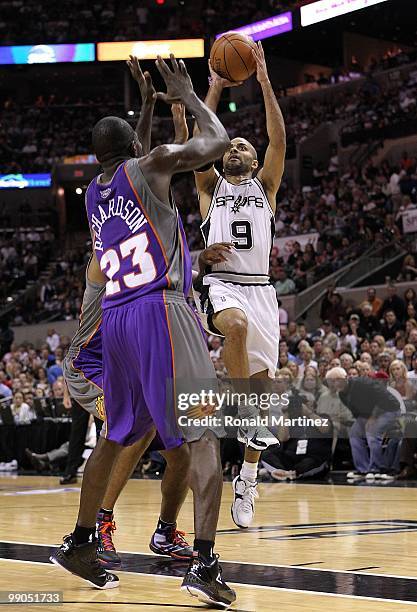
(204,598)
(156,551)
(108,585)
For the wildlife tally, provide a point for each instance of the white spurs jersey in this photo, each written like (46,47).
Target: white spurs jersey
(242,215)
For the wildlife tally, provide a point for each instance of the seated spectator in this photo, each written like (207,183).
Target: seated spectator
(407,356)
(383,363)
(306,355)
(216,347)
(52,340)
(284,285)
(368,321)
(21,410)
(408,270)
(398,380)
(347,338)
(311,383)
(393,302)
(410,297)
(346,361)
(329,337)
(373,300)
(390,326)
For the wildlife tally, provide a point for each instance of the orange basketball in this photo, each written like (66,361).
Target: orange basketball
(231,56)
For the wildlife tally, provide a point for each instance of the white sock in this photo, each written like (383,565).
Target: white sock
(249,471)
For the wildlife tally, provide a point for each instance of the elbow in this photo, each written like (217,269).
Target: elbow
(222,143)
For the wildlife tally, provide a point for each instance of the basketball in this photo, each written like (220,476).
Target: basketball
(231,56)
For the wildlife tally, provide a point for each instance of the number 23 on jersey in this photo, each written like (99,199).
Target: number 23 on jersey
(143,266)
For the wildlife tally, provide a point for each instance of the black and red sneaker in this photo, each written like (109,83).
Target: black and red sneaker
(106,550)
(172,543)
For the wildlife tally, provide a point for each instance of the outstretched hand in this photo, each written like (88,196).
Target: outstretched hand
(143,79)
(177,80)
(259,57)
(216,79)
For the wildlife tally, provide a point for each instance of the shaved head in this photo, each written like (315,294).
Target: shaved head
(247,143)
(114,137)
(240,158)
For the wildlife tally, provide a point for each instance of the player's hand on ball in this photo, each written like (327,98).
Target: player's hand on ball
(143,79)
(261,69)
(216,79)
(215,253)
(177,80)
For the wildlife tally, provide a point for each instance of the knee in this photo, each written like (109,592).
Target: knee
(178,458)
(236,328)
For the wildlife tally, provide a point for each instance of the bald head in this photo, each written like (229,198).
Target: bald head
(114,138)
(337,379)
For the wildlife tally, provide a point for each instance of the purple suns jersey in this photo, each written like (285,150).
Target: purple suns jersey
(139,240)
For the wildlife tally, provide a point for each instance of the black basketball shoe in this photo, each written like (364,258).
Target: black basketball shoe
(82,561)
(107,554)
(204,580)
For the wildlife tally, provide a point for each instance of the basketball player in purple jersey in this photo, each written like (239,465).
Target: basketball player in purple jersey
(151,336)
(83,374)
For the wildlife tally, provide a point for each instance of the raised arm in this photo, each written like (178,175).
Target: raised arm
(206,177)
(180,123)
(207,146)
(148,95)
(271,173)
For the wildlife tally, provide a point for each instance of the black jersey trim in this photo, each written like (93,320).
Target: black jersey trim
(258,182)
(210,210)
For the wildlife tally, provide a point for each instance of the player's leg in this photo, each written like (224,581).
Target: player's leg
(178,352)
(238,331)
(123,468)
(245,484)
(203,578)
(167,539)
(124,398)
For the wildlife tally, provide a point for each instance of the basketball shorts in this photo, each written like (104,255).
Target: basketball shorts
(259,303)
(84,378)
(153,348)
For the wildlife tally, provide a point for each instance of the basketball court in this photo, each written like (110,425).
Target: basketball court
(312,547)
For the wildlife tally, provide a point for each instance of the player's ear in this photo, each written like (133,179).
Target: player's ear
(255,164)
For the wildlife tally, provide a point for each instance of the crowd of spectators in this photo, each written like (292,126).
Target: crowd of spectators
(31,22)
(375,338)
(35,137)
(341,217)
(40,280)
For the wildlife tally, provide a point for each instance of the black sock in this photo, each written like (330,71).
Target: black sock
(162,525)
(83,535)
(204,548)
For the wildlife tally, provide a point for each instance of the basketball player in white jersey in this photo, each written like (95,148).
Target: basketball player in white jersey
(237,298)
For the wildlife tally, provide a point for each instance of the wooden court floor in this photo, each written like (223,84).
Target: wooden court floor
(313,547)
